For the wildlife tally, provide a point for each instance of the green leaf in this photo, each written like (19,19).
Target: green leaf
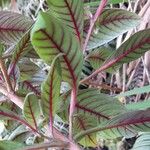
(127,124)
(17,133)
(51,90)
(21,48)
(4,3)
(27,69)
(139,105)
(117,1)
(13,26)
(29,86)
(111,24)
(142,142)
(141,90)
(92,108)
(130,50)
(98,56)
(9,145)
(83,122)
(71,13)
(31,110)
(50,37)
(6,114)
(1,49)
(95,104)
(96,3)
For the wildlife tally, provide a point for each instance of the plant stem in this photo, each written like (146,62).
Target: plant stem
(96,72)
(14,98)
(5,75)
(71,111)
(92,22)
(19,102)
(55,144)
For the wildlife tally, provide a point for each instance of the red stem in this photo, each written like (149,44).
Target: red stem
(18,119)
(92,22)
(71,111)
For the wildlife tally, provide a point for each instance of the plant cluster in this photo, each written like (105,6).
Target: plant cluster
(44,100)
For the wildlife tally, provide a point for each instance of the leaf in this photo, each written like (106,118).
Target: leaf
(22,47)
(117,1)
(31,110)
(130,50)
(111,24)
(51,90)
(92,108)
(135,91)
(127,124)
(71,13)
(28,86)
(9,145)
(96,3)
(19,50)
(139,105)
(142,142)
(6,114)
(83,122)
(98,56)
(1,49)
(10,125)
(95,104)
(27,69)
(48,43)
(17,132)
(4,3)
(13,26)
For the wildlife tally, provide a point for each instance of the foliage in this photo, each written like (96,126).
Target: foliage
(38,56)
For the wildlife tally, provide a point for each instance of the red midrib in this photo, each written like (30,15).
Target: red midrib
(91,111)
(83,127)
(12,29)
(32,115)
(96,57)
(109,64)
(18,55)
(18,119)
(32,87)
(106,21)
(73,20)
(64,56)
(51,102)
(130,122)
